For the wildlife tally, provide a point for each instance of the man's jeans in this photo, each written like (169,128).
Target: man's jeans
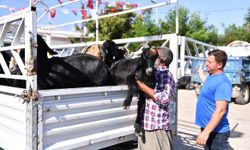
(217,141)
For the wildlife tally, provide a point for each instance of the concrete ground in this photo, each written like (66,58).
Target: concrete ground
(187,131)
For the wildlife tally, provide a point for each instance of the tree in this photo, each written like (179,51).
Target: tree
(190,25)
(198,30)
(246,25)
(168,25)
(112,27)
(144,25)
(247,17)
(233,32)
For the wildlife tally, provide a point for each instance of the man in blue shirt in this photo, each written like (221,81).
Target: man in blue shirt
(212,104)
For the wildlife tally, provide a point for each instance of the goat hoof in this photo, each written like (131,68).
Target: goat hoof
(126,107)
(138,134)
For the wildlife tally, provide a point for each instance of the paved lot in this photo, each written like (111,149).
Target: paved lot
(185,140)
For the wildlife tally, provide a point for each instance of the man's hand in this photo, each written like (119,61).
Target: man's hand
(202,138)
(201,69)
(149,91)
(202,74)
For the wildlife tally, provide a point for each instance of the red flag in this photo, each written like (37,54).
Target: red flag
(84,13)
(90,4)
(52,13)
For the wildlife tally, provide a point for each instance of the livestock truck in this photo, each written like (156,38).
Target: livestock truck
(237,70)
(58,119)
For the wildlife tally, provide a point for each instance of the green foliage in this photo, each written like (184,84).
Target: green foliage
(145,26)
(168,25)
(190,25)
(247,17)
(233,32)
(198,30)
(112,27)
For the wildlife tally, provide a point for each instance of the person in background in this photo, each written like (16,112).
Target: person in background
(213,103)
(155,122)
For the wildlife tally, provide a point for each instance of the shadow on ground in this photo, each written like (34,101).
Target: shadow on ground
(130,145)
(186,142)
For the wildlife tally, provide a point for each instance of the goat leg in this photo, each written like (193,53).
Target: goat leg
(127,101)
(140,113)
(132,90)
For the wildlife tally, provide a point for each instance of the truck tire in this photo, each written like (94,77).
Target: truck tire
(243,97)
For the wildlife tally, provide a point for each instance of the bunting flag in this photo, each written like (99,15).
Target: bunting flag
(84,13)
(74,12)
(21,9)
(103,11)
(106,7)
(52,13)
(82,2)
(119,5)
(93,13)
(90,4)
(12,9)
(153,1)
(60,1)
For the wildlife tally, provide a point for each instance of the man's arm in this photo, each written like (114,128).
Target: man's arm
(149,91)
(220,110)
(161,97)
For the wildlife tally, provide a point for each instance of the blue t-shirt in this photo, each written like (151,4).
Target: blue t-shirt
(215,88)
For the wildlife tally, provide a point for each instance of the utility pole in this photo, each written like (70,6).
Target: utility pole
(97,21)
(177,17)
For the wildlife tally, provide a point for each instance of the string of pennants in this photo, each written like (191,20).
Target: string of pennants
(107,7)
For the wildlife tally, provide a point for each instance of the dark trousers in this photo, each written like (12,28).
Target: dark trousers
(217,141)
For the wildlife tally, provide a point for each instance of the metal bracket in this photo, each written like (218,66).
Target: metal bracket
(28,95)
(31,67)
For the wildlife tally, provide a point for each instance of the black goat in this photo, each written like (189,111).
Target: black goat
(111,52)
(126,71)
(108,52)
(42,61)
(78,70)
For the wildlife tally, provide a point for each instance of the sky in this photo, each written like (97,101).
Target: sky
(216,12)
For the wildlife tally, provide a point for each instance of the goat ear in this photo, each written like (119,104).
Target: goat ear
(145,47)
(52,52)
